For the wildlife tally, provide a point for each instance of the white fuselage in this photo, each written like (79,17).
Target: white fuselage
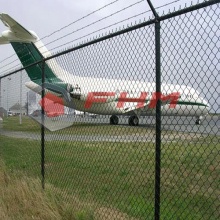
(189,103)
(117,95)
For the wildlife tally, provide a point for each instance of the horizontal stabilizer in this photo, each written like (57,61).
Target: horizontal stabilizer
(16,32)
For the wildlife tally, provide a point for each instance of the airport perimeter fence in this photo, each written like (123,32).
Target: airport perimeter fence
(165,168)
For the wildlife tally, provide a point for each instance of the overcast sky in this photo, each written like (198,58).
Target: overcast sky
(46,17)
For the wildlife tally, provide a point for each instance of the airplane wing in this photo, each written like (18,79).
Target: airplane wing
(16,31)
(134,110)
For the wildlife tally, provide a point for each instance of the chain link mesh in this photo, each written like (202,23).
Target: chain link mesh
(190,56)
(20,136)
(106,171)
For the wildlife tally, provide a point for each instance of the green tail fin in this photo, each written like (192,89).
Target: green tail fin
(29,54)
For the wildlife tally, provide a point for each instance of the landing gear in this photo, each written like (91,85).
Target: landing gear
(133,120)
(114,120)
(199,120)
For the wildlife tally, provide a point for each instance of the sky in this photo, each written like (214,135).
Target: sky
(46,17)
(62,24)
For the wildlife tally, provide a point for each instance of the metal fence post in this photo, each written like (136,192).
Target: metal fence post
(158,122)
(42,128)
(158,114)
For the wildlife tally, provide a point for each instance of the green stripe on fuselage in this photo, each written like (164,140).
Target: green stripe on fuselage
(178,102)
(191,103)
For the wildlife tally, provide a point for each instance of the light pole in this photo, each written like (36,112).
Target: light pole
(0,92)
(20,120)
(7,93)
(4,91)
(27,104)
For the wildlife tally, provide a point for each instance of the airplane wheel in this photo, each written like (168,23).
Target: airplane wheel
(198,121)
(114,120)
(133,120)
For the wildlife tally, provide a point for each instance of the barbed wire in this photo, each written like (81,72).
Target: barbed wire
(95,22)
(132,5)
(101,29)
(93,12)
(84,26)
(111,25)
(7,58)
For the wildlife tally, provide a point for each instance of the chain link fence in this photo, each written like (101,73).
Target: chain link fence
(122,147)
(20,137)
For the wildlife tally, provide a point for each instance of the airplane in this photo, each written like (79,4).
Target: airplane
(101,96)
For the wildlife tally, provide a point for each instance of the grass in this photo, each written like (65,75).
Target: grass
(119,177)
(22,197)
(12,124)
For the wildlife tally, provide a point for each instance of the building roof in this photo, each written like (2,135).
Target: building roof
(2,109)
(16,107)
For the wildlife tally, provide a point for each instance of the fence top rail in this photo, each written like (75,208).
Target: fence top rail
(126,30)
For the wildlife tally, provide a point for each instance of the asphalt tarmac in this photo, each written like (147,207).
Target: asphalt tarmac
(210,124)
(183,128)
